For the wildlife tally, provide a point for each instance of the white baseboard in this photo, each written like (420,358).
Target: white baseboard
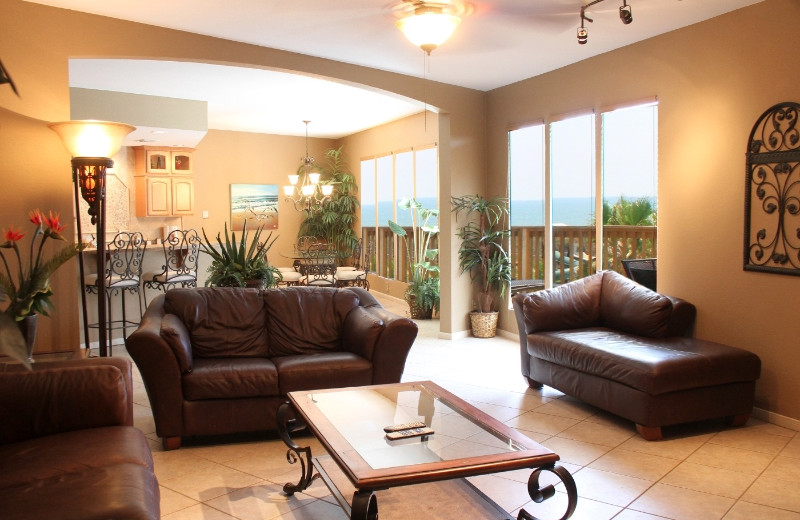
(776,419)
(452,336)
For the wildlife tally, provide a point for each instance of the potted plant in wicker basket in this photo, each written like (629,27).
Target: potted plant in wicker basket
(482,255)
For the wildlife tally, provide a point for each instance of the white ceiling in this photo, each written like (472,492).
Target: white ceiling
(498,43)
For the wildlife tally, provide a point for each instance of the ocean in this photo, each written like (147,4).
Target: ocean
(524,213)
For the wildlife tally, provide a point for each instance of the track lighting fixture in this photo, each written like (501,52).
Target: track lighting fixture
(625,13)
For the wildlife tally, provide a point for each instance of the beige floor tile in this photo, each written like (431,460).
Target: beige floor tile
(176,463)
(205,485)
(198,512)
(674,448)
(633,464)
(508,494)
(681,504)
(227,451)
(259,502)
(501,413)
(575,452)
(172,501)
(596,433)
(568,407)
(716,481)
(556,506)
(753,439)
(734,459)
(317,510)
(610,488)
(781,494)
(784,468)
(792,449)
(630,514)
(747,511)
(542,423)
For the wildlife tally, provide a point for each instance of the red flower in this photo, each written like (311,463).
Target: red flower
(36,217)
(53,222)
(13,235)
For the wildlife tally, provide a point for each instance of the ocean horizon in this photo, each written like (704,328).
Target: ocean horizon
(577,211)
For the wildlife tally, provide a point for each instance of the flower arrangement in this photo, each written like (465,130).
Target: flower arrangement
(28,289)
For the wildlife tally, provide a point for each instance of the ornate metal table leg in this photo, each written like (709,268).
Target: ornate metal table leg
(539,495)
(295,453)
(365,506)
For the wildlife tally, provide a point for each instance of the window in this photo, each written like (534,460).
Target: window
(385,181)
(555,170)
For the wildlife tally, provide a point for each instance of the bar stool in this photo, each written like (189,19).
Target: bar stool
(123,273)
(181,256)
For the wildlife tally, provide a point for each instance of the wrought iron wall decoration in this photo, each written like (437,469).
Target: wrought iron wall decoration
(772,192)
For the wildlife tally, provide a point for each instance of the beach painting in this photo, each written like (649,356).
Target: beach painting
(255,203)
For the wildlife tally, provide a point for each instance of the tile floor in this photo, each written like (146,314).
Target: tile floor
(701,471)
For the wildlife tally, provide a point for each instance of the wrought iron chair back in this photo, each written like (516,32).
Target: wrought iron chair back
(642,271)
(181,257)
(319,267)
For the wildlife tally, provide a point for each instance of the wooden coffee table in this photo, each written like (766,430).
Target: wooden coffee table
(466,442)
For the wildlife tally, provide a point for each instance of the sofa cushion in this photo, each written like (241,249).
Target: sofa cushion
(325,370)
(306,320)
(176,335)
(629,307)
(654,366)
(116,491)
(574,305)
(45,457)
(230,378)
(222,321)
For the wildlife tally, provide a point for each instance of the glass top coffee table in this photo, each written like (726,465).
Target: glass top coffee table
(349,422)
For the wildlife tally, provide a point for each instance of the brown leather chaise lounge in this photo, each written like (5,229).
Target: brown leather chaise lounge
(626,349)
(68,447)
(221,360)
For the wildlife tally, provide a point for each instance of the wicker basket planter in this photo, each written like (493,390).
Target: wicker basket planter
(484,324)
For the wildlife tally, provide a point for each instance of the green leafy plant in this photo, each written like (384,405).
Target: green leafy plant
(237,263)
(481,253)
(421,258)
(334,224)
(29,291)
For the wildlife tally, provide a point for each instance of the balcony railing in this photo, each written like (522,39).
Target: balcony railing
(574,248)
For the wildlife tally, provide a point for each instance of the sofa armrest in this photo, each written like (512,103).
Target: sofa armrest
(682,319)
(391,347)
(62,396)
(160,369)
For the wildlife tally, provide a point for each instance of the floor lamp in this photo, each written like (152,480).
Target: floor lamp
(92,144)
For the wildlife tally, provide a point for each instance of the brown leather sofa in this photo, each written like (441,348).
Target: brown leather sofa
(218,360)
(68,447)
(626,349)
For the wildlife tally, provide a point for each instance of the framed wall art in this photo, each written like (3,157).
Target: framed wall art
(255,203)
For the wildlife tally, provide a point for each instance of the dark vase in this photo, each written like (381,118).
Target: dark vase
(28,328)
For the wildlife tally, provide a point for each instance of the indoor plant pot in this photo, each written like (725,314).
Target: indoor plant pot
(481,254)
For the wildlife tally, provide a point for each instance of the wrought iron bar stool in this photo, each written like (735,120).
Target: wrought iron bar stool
(181,256)
(124,255)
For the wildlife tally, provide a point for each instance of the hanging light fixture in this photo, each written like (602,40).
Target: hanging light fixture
(430,25)
(625,14)
(309,195)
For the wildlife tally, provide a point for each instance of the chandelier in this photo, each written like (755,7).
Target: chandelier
(308,195)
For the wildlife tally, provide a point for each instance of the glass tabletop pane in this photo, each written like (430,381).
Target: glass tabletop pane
(361,414)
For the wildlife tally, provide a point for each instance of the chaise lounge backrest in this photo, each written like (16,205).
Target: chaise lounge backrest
(605,299)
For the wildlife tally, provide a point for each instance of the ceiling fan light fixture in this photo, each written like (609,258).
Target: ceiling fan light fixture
(583,35)
(428,27)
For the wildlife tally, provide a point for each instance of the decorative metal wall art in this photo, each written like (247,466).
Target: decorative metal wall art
(772,192)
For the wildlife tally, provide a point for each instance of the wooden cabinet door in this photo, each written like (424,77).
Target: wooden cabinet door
(159,197)
(181,163)
(158,161)
(182,196)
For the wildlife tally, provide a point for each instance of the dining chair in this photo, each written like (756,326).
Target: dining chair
(353,275)
(290,275)
(123,272)
(642,271)
(318,267)
(181,256)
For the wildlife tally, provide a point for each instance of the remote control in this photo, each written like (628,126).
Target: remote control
(406,426)
(404,434)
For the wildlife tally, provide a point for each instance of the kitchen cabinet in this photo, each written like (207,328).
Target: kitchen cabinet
(164,183)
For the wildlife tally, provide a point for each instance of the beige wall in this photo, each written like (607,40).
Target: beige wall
(713,80)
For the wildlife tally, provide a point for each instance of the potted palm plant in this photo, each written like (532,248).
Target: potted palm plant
(240,263)
(422,294)
(481,254)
